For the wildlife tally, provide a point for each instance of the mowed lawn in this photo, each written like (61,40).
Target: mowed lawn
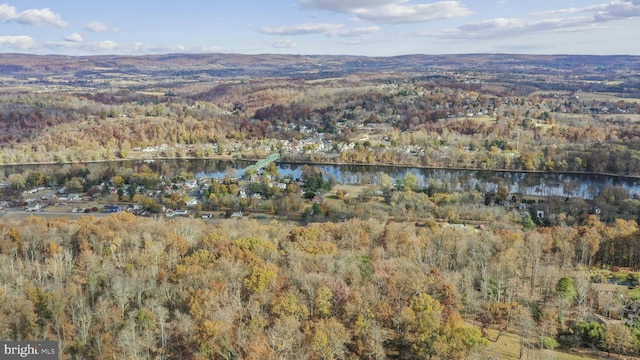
(611,97)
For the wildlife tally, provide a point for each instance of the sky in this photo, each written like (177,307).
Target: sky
(320,27)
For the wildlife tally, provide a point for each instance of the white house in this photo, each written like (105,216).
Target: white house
(192,202)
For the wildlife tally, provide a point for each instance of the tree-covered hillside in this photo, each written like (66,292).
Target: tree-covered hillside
(124,286)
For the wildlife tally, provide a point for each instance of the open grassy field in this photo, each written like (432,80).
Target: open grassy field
(151,93)
(508,347)
(551,93)
(630,118)
(478,118)
(611,97)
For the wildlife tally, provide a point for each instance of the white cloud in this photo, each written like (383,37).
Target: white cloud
(21,42)
(95,26)
(344,5)
(302,29)
(31,16)
(391,11)
(619,10)
(404,14)
(592,17)
(112,47)
(602,12)
(494,25)
(73,37)
(93,47)
(571,10)
(282,43)
(509,27)
(319,28)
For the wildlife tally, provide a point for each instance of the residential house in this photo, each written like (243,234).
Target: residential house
(604,296)
(48,196)
(192,202)
(34,206)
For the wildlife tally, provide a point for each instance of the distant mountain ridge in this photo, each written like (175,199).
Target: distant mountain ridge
(239,65)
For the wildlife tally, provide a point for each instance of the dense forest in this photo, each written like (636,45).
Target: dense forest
(123,286)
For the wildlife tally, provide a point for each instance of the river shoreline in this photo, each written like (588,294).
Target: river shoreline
(442,179)
(320,163)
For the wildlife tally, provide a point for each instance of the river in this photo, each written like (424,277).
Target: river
(542,184)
